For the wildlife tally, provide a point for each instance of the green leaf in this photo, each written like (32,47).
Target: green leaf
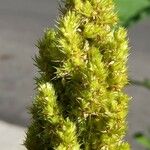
(145,83)
(143,140)
(131,11)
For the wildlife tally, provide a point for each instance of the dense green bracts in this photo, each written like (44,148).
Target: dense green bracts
(80,103)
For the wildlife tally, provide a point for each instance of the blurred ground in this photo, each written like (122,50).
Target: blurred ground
(21,24)
(12,137)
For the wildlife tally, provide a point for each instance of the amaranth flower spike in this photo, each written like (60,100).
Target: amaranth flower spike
(80,103)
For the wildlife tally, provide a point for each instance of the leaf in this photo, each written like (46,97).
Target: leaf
(145,83)
(143,140)
(131,11)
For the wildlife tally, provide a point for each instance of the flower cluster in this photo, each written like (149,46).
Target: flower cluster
(80,103)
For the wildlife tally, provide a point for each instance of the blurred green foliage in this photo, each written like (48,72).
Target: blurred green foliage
(131,11)
(145,83)
(143,140)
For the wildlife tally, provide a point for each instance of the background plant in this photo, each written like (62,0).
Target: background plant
(132,11)
(143,139)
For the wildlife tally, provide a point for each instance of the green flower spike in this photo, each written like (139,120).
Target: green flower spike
(80,103)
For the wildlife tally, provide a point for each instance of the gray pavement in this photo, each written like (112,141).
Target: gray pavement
(12,137)
(21,24)
(139,68)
